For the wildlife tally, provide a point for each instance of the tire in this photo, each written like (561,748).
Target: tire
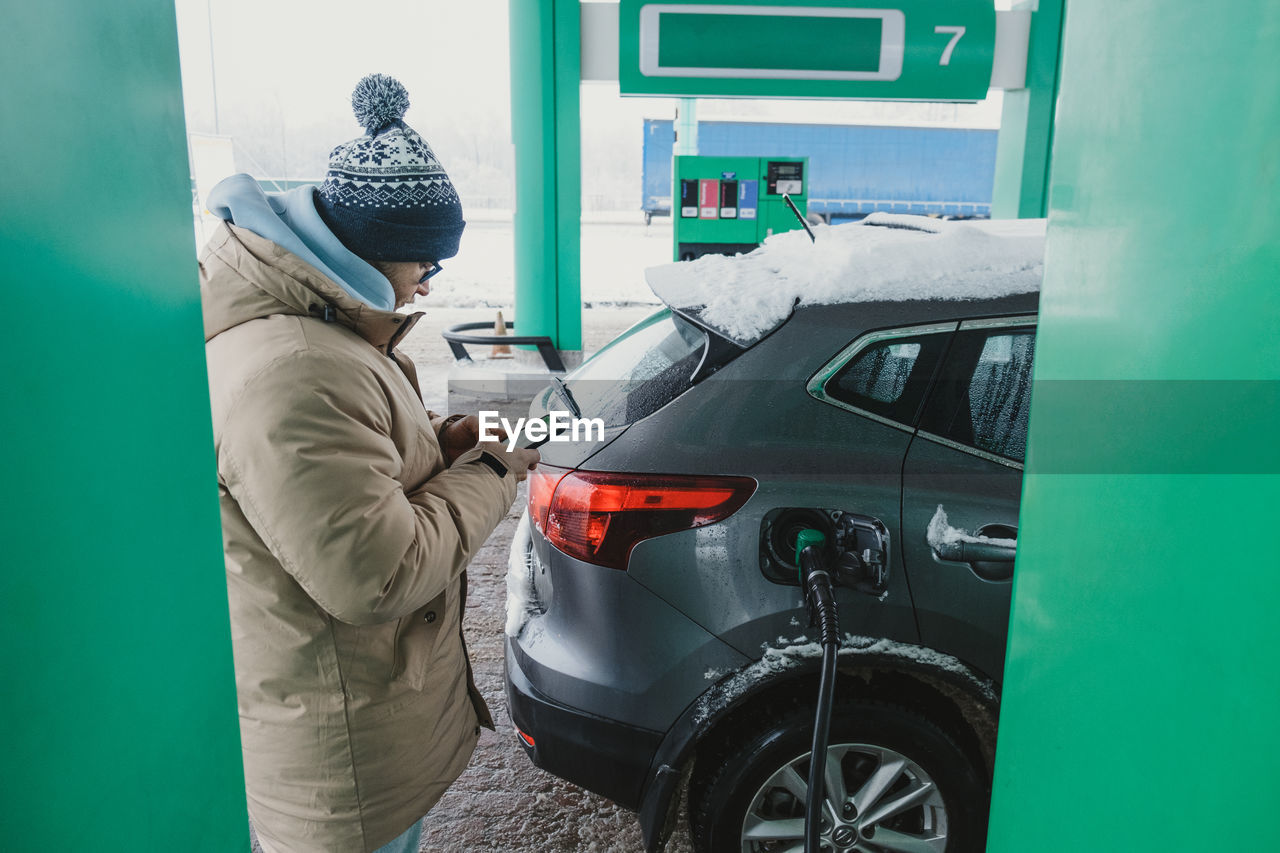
(943,797)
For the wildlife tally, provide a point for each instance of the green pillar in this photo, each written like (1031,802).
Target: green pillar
(686,128)
(545,125)
(1141,690)
(119,711)
(1021,188)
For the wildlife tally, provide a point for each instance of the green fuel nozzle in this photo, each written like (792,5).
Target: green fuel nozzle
(808,537)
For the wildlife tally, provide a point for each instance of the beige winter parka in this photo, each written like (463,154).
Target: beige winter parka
(346,537)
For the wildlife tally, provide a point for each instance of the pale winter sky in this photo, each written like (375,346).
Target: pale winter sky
(285,70)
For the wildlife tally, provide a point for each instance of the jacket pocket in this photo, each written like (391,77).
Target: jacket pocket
(418,636)
(422,456)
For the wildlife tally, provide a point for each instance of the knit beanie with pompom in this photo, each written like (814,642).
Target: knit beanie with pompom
(386,196)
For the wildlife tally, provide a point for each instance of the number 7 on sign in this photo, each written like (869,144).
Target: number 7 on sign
(956,33)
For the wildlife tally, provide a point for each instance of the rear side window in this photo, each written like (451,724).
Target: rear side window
(640,371)
(984,398)
(889,378)
(880,373)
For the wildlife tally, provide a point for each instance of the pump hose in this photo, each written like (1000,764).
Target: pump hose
(820,593)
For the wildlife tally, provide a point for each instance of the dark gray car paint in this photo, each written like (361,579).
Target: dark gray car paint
(714,574)
(607,643)
(958,611)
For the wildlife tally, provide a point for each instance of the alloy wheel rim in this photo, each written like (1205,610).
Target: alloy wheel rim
(876,801)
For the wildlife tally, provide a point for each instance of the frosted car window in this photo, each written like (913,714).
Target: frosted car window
(889,378)
(999,394)
(639,372)
(881,373)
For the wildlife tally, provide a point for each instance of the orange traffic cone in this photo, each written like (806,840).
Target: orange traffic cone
(500,328)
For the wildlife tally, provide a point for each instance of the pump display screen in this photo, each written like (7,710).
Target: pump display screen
(770,42)
(833,44)
(784,177)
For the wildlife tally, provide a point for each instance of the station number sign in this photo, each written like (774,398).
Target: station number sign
(937,50)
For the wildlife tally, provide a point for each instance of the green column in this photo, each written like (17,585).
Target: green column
(1141,690)
(119,711)
(686,129)
(545,125)
(1021,188)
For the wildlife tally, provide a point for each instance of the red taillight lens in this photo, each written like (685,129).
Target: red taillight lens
(598,517)
(542,485)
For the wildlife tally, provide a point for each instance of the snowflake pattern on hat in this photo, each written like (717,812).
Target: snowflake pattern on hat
(395,169)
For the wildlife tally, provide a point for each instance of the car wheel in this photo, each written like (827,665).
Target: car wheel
(895,781)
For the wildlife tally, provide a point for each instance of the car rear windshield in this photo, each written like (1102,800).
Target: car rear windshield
(640,371)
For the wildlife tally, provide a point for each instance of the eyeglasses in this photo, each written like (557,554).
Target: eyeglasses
(435,268)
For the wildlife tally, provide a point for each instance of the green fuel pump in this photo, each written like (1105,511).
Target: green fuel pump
(729,205)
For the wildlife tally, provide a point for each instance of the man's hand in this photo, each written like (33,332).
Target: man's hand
(459,437)
(519,460)
(463,434)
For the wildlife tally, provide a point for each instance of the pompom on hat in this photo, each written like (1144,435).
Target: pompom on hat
(386,196)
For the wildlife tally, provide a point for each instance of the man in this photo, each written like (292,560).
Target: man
(349,512)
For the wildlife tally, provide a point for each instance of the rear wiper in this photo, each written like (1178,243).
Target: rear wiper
(566,395)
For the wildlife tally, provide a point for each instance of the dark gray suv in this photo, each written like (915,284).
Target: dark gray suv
(657,634)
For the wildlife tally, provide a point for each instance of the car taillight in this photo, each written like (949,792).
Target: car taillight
(542,485)
(598,517)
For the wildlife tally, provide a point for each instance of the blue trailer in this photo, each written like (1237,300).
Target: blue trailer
(853,169)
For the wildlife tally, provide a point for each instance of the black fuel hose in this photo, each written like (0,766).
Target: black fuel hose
(822,598)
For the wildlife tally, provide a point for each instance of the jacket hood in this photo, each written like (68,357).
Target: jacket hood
(244,277)
(290,220)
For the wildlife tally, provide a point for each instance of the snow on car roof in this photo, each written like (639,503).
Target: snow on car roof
(910,257)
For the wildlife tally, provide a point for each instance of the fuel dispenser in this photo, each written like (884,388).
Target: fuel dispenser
(728,205)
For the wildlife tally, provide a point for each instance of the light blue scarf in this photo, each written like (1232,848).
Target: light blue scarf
(290,220)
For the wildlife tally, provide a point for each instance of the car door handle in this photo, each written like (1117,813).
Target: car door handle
(976,552)
(991,560)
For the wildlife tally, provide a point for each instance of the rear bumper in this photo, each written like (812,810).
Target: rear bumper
(609,758)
